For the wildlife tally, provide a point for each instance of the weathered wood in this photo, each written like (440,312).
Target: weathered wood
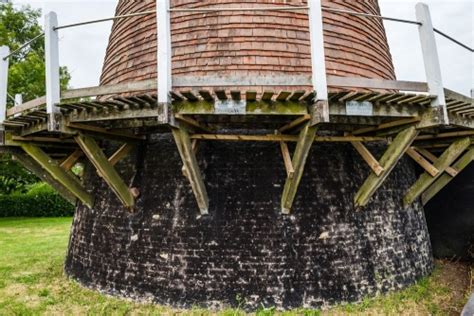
(388,161)
(236,95)
(425,164)
(432,158)
(283,95)
(192,122)
(283,138)
(164,53)
(444,179)
(290,171)
(190,96)
(121,153)
(4,51)
(295,123)
(251,96)
(352,82)
(124,136)
(53,90)
(318,59)
(71,160)
(221,94)
(303,146)
(206,95)
(387,125)
(59,174)
(183,142)
(443,162)
(368,157)
(106,170)
(445,135)
(267,96)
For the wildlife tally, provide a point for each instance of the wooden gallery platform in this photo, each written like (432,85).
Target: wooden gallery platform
(437,134)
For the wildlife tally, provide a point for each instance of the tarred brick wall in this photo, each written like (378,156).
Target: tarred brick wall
(238,43)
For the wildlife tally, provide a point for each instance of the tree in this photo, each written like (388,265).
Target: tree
(26,76)
(27,70)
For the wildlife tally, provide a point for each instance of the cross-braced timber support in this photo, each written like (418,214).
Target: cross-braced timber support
(443,162)
(106,169)
(59,174)
(303,146)
(192,171)
(388,161)
(445,178)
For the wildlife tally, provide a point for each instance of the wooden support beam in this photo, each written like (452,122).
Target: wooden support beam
(297,122)
(185,148)
(60,175)
(284,138)
(106,170)
(368,157)
(388,161)
(71,160)
(303,146)
(115,135)
(425,164)
(428,155)
(53,90)
(387,125)
(121,153)
(443,162)
(4,51)
(444,179)
(192,122)
(290,171)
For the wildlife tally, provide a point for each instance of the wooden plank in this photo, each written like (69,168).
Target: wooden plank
(303,146)
(190,96)
(296,96)
(251,96)
(121,153)
(283,138)
(236,95)
(388,161)
(113,89)
(60,175)
(290,171)
(295,123)
(443,162)
(183,142)
(192,122)
(451,171)
(71,160)
(445,135)
(444,179)
(221,94)
(283,95)
(206,95)
(425,164)
(387,125)
(106,170)
(368,157)
(267,96)
(353,82)
(102,131)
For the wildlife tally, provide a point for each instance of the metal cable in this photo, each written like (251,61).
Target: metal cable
(454,40)
(371,15)
(105,20)
(241,9)
(23,46)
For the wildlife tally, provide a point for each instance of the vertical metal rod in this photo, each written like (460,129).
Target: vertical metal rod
(164,50)
(318,60)
(52,70)
(4,51)
(431,60)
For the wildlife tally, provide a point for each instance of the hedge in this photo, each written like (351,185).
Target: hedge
(38,202)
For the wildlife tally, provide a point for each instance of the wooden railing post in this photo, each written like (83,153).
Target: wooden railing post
(51,46)
(164,52)
(4,51)
(431,61)
(318,62)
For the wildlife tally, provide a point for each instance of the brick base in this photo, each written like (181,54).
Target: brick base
(325,253)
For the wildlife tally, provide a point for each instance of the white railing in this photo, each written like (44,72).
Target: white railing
(164,77)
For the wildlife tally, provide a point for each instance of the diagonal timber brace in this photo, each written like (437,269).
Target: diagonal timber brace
(303,146)
(30,164)
(443,162)
(188,156)
(444,179)
(106,169)
(392,155)
(59,174)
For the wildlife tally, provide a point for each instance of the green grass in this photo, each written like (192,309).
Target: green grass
(32,282)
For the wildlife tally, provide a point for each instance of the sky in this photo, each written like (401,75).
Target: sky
(82,49)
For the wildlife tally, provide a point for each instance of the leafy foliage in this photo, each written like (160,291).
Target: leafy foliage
(13,177)
(27,70)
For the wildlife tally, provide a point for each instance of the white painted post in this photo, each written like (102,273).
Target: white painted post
(318,59)
(163,50)
(4,51)
(52,70)
(431,60)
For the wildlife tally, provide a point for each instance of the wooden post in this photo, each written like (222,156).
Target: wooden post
(368,157)
(4,51)
(443,162)
(106,170)
(318,62)
(431,61)
(425,164)
(60,175)
(185,148)
(388,161)
(53,93)
(444,179)
(164,53)
(303,146)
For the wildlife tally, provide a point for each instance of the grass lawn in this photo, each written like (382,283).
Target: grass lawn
(32,282)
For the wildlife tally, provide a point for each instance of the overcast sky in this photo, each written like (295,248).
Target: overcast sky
(82,49)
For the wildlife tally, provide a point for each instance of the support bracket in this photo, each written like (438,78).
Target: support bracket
(388,161)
